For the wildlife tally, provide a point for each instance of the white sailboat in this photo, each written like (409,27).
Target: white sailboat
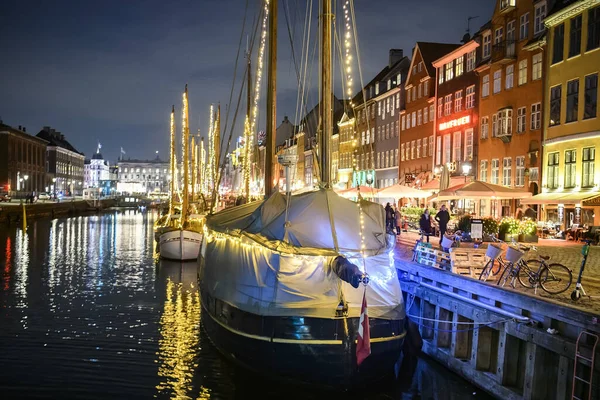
(180,239)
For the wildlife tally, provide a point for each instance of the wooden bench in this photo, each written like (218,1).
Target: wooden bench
(468,262)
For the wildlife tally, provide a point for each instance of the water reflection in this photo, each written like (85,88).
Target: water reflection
(87,312)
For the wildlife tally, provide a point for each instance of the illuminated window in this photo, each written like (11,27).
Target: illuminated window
(509,76)
(504,125)
(471,60)
(425,147)
(520,171)
(403,122)
(570,169)
(396,157)
(420,92)
(402,151)
(425,115)
(440,72)
(522,72)
(447,148)
(536,116)
(494,125)
(440,107)
(588,160)
(470,100)
(497,81)
(431,112)
(487,45)
(418,148)
(412,150)
(468,144)
(448,105)
(524,26)
(495,171)
(414,118)
(483,170)
(521,119)
(408,95)
(378,160)
(457,146)
(449,71)
(485,89)
(460,65)
(438,155)
(426,88)
(485,127)
(458,101)
(555,97)
(408,121)
(419,117)
(430,145)
(552,175)
(536,69)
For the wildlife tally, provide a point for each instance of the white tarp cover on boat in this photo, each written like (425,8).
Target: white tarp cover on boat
(241,266)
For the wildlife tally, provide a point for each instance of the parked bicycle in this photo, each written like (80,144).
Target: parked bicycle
(495,263)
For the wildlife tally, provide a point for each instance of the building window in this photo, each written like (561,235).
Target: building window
(469,144)
(431,112)
(396,157)
(448,105)
(458,101)
(524,26)
(552,179)
(570,157)
(507,171)
(412,150)
(447,148)
(483,170)
(430,146)
(521,119)
(572,100)
(449,71)
(419,117)
(426,88)
(485,127)
(509,76)
(440,107)
(456,150)
(376,88)
(589,158)
(387,131)
(575,36)
(420,90)
(497,81)
(498,35)
(487,45)
(504,125)
(403,122)
(438,150)
(425,147)
(414,93)
(471,60)
(414,118)
(536,116)
(408,121)
(593,41)
(555,94)
(536,67)
(520,171)
(540,14)
(378,160)
(522,72)
(460,64)
(440,72)
(485,89)
(494,125)
(591,96)
(425,115)
(558,44)
(495,171)
(402,151)
(470,100)
(408,95)
(418,148)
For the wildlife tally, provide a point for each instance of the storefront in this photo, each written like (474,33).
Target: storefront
(568,209)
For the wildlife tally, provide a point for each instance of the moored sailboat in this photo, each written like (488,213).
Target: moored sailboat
(283,280)
(181,237)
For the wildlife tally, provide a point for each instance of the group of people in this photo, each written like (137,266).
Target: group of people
(442,218)
(393,219)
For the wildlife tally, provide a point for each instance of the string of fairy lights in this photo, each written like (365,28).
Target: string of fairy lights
(347,55)
(172,152)
(211,150)
(250,126)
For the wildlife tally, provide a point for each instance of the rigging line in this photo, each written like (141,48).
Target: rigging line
(303,56)
(341,58)
(303,98)
(221,170)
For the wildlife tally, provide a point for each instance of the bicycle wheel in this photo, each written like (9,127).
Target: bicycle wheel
(527,273)
(555,278)
(506,274)
(487,270)
(497,266)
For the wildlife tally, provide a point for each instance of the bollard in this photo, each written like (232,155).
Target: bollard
(24,219)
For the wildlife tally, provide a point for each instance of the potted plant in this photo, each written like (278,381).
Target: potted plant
(508,229)
(464,225)
(490,227)
(528,231)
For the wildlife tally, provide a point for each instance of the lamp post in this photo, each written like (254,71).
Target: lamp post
(54,187)
(466,169)
(25,184)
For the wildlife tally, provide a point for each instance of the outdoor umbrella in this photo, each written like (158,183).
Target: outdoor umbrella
(399,191)
(482,190)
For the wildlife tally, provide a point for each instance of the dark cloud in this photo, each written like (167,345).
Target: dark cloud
(110,70)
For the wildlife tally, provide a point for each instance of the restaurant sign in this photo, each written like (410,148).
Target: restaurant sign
(455,122)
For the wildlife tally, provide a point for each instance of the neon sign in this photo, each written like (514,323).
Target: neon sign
(455,122)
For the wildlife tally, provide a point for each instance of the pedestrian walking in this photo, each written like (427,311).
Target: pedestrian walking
(442,218)
(425,224)
(398,219)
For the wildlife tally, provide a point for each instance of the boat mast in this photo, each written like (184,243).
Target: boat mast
(271,98)
(247,142)
(194,149)
(186,156)
(326,91)
(172,166)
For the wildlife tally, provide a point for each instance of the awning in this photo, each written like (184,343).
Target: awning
(562,198)
(434,184)
(401,191)
(477,190)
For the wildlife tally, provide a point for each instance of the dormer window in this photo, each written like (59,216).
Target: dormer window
(376,88)
(389,84)
(504,4)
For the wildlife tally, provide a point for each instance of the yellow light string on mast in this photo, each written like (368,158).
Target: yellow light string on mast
(348,74)
(172,164)
(250,126)
(185,156)
(211,150)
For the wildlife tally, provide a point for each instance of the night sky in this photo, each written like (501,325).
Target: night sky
(109,71)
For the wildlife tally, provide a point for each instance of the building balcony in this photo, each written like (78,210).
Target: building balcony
(504,136)
(506,6)
(504,52)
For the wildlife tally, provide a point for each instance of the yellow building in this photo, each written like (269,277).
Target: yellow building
(347,147)
(570,193)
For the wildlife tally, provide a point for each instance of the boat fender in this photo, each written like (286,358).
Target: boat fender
(348,272)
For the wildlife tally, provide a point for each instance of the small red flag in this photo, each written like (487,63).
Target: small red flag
(363,345)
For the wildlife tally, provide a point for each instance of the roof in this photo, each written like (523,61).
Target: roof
(57,139)
(133,161)
(432,51)
(18,132)
(358,99)
(97,156)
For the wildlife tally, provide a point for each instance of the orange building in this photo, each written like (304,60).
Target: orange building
(511,98)
(417,119)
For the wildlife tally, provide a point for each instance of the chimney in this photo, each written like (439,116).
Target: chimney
(20,127)
(395,56)
(24,129)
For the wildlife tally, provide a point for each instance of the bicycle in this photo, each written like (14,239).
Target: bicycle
(576,294)
(553,278)
(494,253)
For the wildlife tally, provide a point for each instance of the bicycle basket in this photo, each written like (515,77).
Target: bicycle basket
(447,242)
(493,251)
(513,255)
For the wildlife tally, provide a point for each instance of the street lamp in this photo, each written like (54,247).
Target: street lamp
(54,187)
(466,169)
(438,169)
(25,184)
(369,179)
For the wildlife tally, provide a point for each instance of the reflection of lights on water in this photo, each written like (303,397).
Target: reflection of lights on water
(7,265)
(179,342)
(21,276)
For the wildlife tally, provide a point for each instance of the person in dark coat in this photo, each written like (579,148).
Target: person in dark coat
(425,224)
(442,218)
(389,217)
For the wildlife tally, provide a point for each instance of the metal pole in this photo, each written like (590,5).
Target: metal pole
(271,99)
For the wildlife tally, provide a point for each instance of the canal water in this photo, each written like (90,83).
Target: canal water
(88,311)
